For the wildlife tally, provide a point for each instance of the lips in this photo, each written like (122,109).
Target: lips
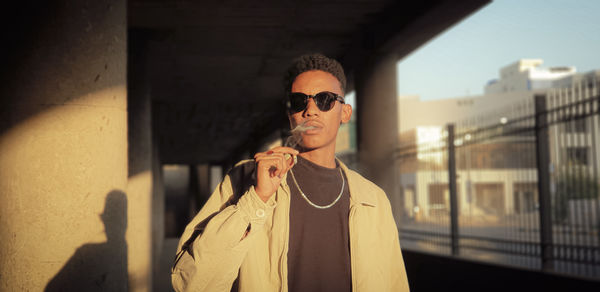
(314,125)
(313,130)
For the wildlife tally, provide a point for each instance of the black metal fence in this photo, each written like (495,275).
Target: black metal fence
(518,186)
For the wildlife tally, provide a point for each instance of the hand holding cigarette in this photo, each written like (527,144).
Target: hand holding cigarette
(271,166)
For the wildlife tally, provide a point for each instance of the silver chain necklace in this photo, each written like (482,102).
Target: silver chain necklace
(313,204)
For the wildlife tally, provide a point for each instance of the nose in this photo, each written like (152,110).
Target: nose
(311,108)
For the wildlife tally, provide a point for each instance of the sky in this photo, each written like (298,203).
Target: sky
(461,60)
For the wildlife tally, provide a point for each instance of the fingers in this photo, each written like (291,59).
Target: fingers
(279,149)
(274,163)
(287,150)
(277,160)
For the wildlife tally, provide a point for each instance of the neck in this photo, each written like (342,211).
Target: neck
(322,156)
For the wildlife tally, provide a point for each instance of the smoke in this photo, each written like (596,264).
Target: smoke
(295,137)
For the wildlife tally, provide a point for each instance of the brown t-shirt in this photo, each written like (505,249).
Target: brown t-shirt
(319,246)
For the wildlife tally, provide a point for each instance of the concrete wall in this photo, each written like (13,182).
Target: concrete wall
(64,212)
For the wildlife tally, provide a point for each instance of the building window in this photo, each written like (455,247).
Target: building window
(439,199)
(489,198)
(577,155)
(576,126)
(525,197)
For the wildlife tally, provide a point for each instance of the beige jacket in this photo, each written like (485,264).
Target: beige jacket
(212,256)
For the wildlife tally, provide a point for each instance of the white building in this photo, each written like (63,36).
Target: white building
(589,79)
(527,75)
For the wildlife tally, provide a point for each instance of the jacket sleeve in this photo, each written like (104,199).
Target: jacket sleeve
(213,246)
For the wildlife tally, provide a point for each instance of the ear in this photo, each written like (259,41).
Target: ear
(346,113)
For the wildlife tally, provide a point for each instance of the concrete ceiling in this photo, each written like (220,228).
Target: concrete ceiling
(214,68)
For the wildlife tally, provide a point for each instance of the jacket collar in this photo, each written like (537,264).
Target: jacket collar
(358,194)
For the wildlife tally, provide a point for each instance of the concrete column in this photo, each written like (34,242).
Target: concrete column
(203,184)
(158,224)
(63,150)
(140,182)
(162,253)
(193,191)
(377,114)
(139,192)
(215,176)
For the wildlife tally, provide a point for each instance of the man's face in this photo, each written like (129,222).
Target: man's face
(326,123)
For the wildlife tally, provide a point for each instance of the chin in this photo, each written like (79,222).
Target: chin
(310,143)
(308,146)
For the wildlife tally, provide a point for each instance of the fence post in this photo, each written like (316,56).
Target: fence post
(543,171)
(452,190)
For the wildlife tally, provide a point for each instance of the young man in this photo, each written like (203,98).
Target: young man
(296,219)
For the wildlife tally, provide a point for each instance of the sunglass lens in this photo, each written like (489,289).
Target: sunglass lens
(297,102)
(324,100)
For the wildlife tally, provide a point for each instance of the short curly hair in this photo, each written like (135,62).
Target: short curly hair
(313,62)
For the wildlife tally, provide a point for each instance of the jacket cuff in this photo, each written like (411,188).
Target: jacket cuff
(256,210)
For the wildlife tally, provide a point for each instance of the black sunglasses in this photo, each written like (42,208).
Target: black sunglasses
(298,101)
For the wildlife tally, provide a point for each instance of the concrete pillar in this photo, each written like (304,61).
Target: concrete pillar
(139,191)
(377,114)
(140,182)
(193,191)
(216,176)
(158,223)
(63,150)
(203,184)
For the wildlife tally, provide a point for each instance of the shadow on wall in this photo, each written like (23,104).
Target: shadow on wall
(99,266)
